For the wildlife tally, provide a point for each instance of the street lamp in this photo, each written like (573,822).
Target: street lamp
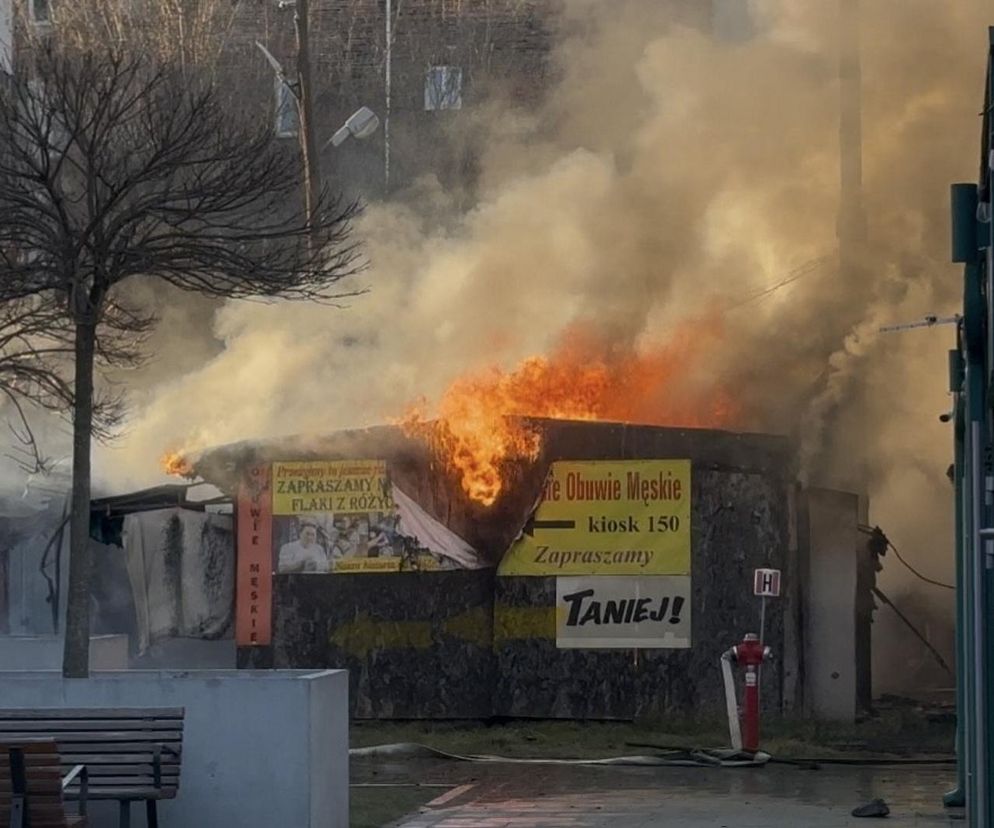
(361,124)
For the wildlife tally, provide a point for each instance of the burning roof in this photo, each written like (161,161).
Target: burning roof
(484,419)
(416,467)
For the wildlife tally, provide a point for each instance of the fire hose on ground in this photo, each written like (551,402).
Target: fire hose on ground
(743,731)
(675,757)
(743,753)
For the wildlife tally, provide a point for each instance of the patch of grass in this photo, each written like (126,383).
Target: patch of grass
(894,732)
(379,806)
(898,732)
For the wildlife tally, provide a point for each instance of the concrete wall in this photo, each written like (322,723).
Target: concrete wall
(44,652)
(260,749)
(830,663)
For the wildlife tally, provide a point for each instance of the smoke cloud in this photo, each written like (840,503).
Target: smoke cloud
(675,171)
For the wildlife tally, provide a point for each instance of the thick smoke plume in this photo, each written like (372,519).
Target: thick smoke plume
(675,172)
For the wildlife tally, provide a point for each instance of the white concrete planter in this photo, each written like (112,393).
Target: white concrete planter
(260,748)
(44,652)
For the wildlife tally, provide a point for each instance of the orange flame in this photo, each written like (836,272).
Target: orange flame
(475,431)
(176,464)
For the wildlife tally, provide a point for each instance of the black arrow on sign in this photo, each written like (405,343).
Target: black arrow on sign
(531,525)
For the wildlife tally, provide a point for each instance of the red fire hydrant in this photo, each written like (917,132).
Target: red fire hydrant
(750,654)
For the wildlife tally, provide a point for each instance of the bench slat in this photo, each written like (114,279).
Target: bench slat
(76,748)
(34,745)
(95,760)
(43,806)
(124,792)
(126,781)
(74,737)
(96,725)
(116,758)
(38,783)
(137,769)
(46,819)
(146,781)
(93,712)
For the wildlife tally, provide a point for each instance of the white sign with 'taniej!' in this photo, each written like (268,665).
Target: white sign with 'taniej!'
(623,612)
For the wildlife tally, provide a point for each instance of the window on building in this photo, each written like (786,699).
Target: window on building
(6,39)
(39,11)
(443,88)
(287,116)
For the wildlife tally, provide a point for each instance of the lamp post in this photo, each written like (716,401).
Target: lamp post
(305,107)
(361,124)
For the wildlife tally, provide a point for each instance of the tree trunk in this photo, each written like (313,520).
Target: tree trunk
(76,656)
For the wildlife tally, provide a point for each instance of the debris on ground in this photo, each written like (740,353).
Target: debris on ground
(876,808)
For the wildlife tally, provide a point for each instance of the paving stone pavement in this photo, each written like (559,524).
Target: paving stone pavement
(777,796)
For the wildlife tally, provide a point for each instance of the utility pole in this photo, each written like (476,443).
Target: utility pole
(387,81)
(305,108)
(359,125)
(852,216)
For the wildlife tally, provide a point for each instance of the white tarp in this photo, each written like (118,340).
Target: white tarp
(415,522)
(37,572)
(181,566)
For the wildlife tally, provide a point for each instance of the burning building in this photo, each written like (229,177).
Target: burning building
(596,570)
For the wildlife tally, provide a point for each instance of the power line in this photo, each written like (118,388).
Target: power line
(918,634)
(876,532)
(806,269)
(916,572)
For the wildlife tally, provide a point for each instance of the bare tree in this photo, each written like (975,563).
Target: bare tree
(36,363)
(189,33)
(116,166)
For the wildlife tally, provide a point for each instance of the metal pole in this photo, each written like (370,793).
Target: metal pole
(983,574)
(851,227)
(387,79)
(762,621)
(974,674)
(979,661)
(957,796)
(964,387)
(305,107)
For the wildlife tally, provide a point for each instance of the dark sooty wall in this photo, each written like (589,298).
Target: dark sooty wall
(471,645)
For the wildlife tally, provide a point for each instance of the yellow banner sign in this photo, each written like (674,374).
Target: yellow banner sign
(331,486)
(608,517)
(425,563)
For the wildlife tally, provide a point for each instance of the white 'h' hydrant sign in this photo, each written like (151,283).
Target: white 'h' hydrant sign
(766,583)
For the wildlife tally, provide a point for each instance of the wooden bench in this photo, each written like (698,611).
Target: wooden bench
(32,787)
(131,755)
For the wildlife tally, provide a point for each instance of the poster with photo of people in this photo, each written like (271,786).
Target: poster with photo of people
(341,516)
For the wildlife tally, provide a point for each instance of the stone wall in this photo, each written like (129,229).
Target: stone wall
(416,645)
(473,645)
(739,524)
